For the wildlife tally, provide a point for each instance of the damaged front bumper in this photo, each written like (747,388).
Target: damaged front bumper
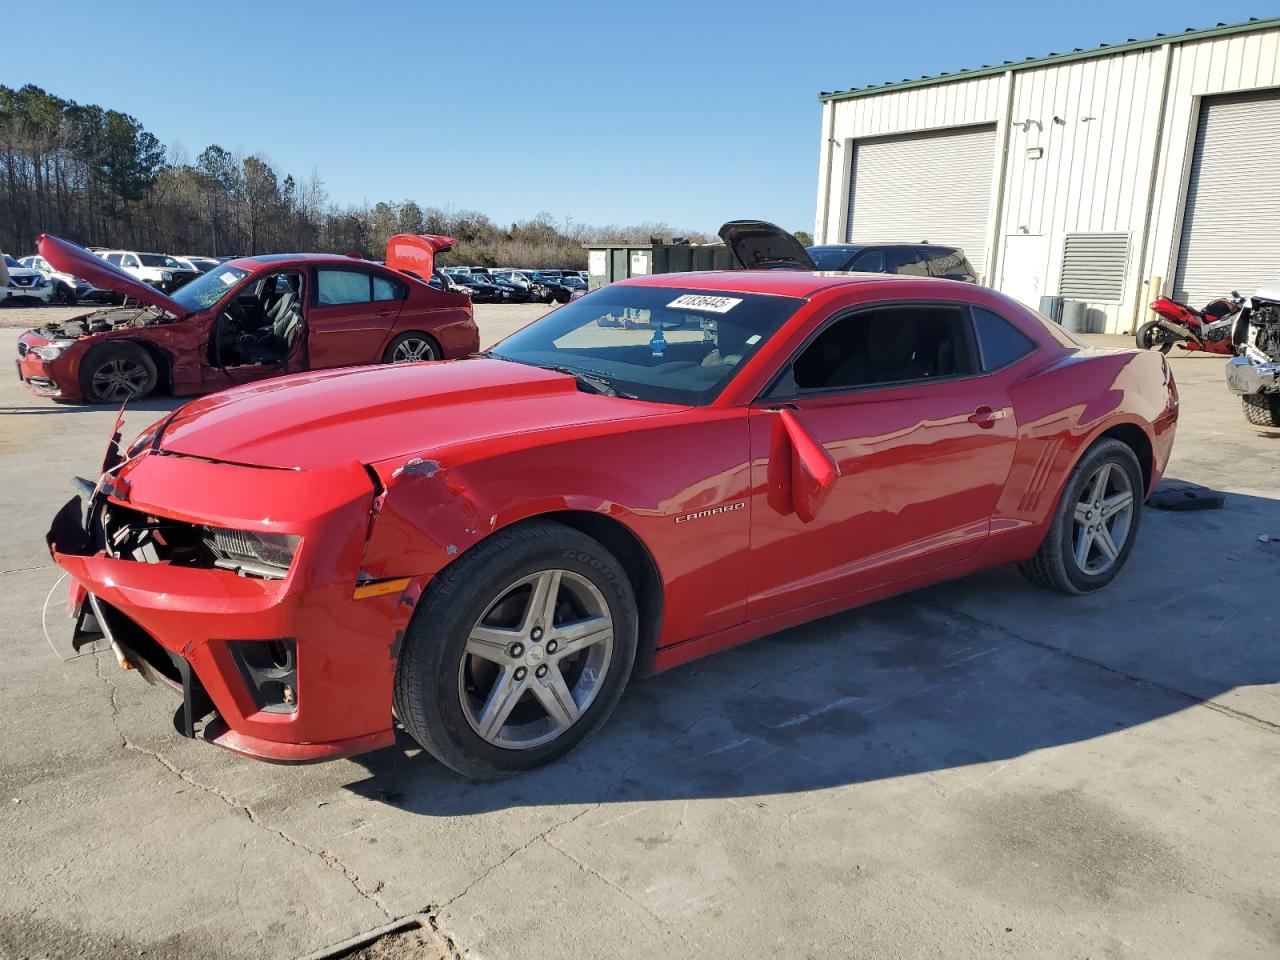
(1248,375)
(290,670)
(36,375)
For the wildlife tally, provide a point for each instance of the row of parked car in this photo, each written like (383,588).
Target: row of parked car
(513,285)
(35,279)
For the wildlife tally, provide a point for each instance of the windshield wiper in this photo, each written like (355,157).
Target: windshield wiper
(592,381)
(596,383)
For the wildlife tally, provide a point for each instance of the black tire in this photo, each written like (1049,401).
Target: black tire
(134,367)
(67,295)
(1147,338)
(427,697)
(1054,566)
(562,296)
(1262,409)
(430,349)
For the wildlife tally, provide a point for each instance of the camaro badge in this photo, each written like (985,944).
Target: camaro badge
(712,511)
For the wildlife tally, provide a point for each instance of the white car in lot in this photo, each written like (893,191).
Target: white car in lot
(25,283)
(156,269)
(67,289)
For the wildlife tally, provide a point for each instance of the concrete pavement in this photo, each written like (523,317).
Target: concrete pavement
(977,769)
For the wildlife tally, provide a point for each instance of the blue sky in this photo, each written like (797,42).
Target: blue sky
(690,112)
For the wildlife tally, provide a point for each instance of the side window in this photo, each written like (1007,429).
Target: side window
(342,286)
(907,261)
(999,341)
(887,345)
(116,258)
(130,260)
(869,261)
(385,290)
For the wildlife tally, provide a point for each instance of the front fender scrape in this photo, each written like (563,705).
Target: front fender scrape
(429,511)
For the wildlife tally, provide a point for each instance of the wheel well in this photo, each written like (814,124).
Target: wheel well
(1135,438)
(164,367)
(638,563)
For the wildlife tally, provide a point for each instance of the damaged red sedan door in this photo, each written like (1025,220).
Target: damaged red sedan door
(351,314)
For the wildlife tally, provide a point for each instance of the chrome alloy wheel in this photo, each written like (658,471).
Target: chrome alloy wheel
(1103,519)
(119,379)
(412,350)
(536,659)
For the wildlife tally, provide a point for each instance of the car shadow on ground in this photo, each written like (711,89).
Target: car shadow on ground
(982,669)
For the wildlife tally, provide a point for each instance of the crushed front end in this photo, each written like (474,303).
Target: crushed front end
(239,587)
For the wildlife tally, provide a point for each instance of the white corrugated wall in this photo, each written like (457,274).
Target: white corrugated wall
(1075,153)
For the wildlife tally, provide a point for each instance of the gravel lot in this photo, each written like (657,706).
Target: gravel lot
(978,769)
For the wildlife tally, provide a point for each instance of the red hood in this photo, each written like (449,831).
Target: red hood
(79,262)
(372,414)
(415,253)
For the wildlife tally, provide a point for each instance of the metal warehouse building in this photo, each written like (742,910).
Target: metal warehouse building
(1108,175)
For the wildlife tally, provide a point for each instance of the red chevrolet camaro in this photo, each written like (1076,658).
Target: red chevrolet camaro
(488,549)
(245,320)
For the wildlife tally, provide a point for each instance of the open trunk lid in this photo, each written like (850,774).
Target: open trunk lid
(760,245)
(79,262)
(415,254)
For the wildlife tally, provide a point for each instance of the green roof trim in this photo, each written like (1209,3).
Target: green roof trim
(1031,63)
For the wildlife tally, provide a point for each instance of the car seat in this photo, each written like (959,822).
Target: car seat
(891,355)
(272,342)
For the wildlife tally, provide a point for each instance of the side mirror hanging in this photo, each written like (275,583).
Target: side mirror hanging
(801,473)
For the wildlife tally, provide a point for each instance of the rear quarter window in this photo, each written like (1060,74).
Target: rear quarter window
(1000,342)
(949,263)
(386,290)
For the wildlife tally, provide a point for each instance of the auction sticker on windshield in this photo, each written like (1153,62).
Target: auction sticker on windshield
(704,304)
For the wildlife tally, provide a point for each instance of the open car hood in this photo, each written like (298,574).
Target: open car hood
(760,245)
(79,262)
(416,254)
(1268,291)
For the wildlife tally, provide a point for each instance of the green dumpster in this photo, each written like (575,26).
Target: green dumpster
(609,262)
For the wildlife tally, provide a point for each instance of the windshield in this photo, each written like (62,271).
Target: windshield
(159,260)
(831,258)
(208,288)
(665,344)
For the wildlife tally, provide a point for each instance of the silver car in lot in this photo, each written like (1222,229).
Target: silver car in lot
(66,288)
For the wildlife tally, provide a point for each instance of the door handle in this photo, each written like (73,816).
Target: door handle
(986,417)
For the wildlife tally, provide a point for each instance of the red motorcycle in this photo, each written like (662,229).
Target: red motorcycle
(1208,329)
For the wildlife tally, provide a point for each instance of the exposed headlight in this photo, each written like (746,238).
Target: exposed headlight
(248,551)
(166,275)
(40,281)
(51,351)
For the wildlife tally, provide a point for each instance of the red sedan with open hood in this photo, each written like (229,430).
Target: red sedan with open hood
(245,320)
(488,549)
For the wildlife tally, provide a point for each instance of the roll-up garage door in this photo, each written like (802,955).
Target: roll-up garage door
(933,187)
(1231,226)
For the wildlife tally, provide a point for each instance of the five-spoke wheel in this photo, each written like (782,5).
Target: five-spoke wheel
(1102,519)
(517,651)
(1094,525)
(536,659)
